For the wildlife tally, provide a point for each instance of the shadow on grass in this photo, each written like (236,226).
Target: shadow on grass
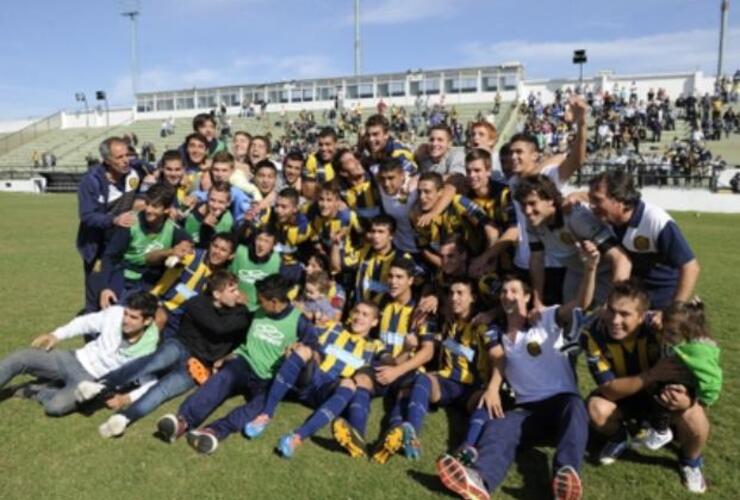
(533,467)
(327,444)
(429,481)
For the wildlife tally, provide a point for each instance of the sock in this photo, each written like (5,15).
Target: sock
(395,416)
(359,410)
(284,381)
(327,412)
(419,402)
(692,462)
(475,426)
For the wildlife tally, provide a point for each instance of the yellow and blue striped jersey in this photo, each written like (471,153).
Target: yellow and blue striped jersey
(464,351)
(395,324)
(345,352)
(182,282)
(364,199)
(498,205)
(290,237)
(462,216)
(315,169)
(394,149)
(324,227)
(371,276)
(608,358)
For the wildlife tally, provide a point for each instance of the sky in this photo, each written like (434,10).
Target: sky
(51,49)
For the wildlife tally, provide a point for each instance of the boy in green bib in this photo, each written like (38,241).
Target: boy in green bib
(255,261)
(134,258)
(211,217)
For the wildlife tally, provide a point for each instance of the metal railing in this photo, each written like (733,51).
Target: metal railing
(30,132)
(649,175)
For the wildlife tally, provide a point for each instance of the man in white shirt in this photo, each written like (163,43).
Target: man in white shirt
(124,333)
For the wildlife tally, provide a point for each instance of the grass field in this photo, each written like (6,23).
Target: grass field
(40,288)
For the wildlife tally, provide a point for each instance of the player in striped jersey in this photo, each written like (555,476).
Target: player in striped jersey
(320,374)
(187,278)
(372,262)
(405,350)
(319,164)
(466,352)
(331,223)
(381,146)
(359,190)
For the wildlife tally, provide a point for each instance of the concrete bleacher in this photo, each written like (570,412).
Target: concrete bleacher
(71,146)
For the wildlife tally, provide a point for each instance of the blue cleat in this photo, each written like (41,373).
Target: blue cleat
(287,445)
(411,444)
(256,427)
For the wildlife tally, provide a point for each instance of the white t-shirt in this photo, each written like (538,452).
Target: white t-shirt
(521,259)
(535,366)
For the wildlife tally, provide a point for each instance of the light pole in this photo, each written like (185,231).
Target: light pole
(131,10)
(81,97)
(579,58)
(100,95)
(725,7)
(358,53)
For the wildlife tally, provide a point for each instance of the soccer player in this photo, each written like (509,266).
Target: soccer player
(397,203)
(370,264)
(134,257)
(293,232)
(265,178)
(623,354)
(222,170)
(105,199)
(331,223)
(172,173)
(319,164)
(254,261)
(557,234)
(405,350)
(187,278)
(292,171)
(360,192)
(210,217)
(274,327)
(124,333)
(381,146)
(213,324)
(205,125)
(548,404)
(194,153)
(465,353)
(661,256)
(462,216)
(330,361)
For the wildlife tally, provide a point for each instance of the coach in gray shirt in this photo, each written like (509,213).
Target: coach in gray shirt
(557,233)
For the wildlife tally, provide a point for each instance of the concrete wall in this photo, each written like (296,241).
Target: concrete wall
(674,84)
(97,118)
(7,126)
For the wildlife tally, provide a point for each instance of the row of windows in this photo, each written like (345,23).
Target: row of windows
(360,90)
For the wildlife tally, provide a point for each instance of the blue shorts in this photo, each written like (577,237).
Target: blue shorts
(318,388)
(453,392)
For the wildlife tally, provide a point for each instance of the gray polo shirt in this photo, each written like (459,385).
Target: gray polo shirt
(453,162)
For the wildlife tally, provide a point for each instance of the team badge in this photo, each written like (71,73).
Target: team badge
(534,348)
(641,243)
(133,182)
(567,238)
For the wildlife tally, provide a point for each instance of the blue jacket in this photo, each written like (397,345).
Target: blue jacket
(95,212)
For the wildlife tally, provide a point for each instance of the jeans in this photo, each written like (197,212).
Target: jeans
(169,363)
(55,366)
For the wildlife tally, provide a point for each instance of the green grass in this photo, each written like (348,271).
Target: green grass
(41,276)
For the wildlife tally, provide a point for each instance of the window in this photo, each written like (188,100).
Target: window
(397,88)
(352,91)
(308,94)
(431,86)
(207,100)
(145,105)
(185,102)
(468,84)
(273,96)
(510,82)
(383,90)
(326,93)
(490,83)
(415,88)
(165,104)
(230,98)
(365,90)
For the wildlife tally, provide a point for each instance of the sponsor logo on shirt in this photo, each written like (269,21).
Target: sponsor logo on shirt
(269,334)
(251,276)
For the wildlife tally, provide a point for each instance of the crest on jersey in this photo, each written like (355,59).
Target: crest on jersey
(641,243)
(567,238)
(534,348)
(133,182)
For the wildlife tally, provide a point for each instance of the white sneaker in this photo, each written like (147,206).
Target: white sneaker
(693,479)
(113,427)
(655,440)
(87,390)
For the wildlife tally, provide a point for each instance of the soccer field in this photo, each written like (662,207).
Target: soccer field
(41,288)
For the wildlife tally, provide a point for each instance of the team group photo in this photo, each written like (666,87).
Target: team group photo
(496,259)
